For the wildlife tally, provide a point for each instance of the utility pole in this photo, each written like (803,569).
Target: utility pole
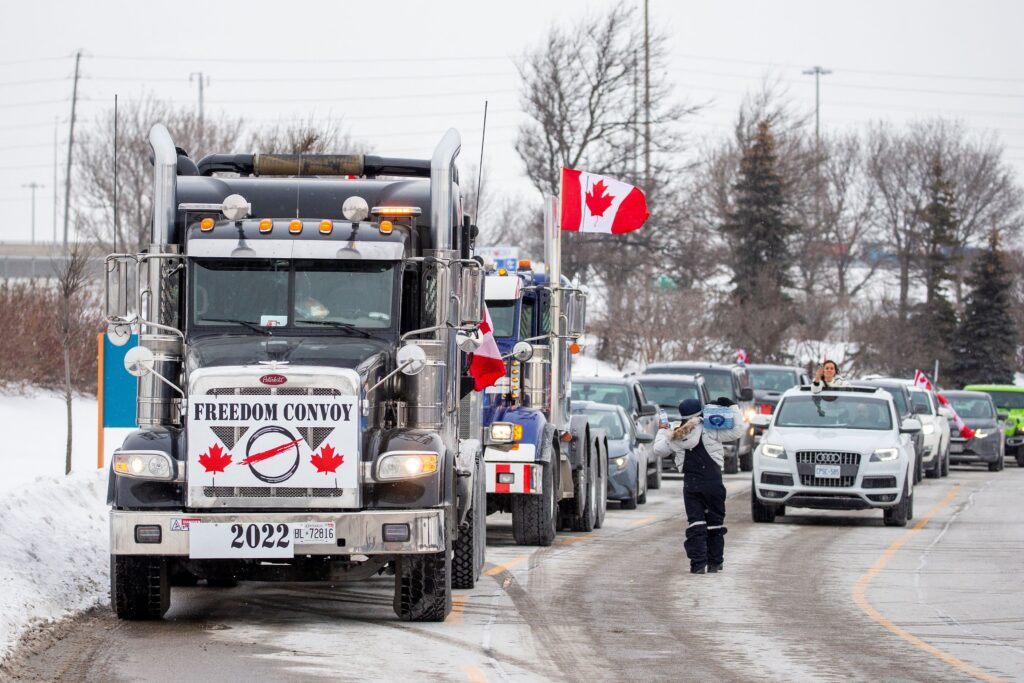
(71,146)
(56,129)
(33,186)
(647,101)
(817,72)
(202,80)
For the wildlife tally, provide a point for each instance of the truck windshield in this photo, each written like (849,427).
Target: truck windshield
(503,316)
(837,412)
(277,293)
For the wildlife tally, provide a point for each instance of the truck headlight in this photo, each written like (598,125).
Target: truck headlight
(885,454)
(406,465)
(928,429)
(506,432)
(143,465)
(772,450)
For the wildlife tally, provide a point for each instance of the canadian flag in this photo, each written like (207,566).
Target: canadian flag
(921,380)
(594,203)
(485,364)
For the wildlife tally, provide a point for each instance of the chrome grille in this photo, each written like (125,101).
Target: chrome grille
(827,458)
(270,492)
(267,391)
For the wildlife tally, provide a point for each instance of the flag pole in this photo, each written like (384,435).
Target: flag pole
(553,266)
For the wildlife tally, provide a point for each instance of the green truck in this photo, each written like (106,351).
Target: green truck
(1009,399)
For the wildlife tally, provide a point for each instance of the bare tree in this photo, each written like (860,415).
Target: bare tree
(72,278)
(306,137)
(94,200)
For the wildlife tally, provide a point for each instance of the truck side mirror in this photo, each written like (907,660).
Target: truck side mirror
(411,359)
(522,351)
(121,288)
(138,361)
(573,303)
(471,295)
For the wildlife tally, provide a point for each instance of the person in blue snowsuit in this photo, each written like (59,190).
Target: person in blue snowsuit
(699,454)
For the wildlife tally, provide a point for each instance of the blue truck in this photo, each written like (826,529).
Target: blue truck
(544,465)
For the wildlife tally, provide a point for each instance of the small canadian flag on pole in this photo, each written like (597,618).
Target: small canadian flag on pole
(595,203)
(485,364)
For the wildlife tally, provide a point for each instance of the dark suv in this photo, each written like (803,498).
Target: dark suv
(627,393)
(731,381)
(667,391)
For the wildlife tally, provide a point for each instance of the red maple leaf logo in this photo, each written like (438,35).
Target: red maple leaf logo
(215,460)
(326,461)
(598,199)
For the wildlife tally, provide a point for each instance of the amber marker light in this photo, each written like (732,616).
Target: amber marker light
(266,225)
(326,227)
(295,227)
(206,225)
(566,437)
(574,348)
(525,264)
(386,227)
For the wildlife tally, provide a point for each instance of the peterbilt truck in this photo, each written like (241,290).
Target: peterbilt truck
(545,466)
(302,404)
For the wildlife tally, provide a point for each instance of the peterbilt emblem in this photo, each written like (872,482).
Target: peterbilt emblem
(273,380)
(828,458)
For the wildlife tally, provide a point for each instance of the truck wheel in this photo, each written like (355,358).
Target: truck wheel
(585,521)
(469,548)
(534,516)
(654,478)
(747,462)
(761,513)
(602,487)
(732,464)
(423,586)
(139,586)
(899,513)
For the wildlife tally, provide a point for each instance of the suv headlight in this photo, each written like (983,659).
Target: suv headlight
(405,465)
(928,429)
(981,434)
(885,455)
(143,465)
(771,450)
(506,432)
(620,462)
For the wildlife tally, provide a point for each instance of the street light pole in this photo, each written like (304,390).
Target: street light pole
(33,186)
(817,72)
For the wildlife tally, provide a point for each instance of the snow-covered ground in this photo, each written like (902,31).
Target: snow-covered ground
(53,529)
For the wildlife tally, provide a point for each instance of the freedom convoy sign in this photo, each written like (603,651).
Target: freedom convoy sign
(294,441)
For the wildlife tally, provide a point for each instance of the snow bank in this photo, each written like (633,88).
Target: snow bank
(54,560)
(587,366)
(53,529)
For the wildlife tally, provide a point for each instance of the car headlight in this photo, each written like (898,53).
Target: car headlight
(143,465)
(981,434)
(620,462)
(749,414)
(771,450)
(506,432)
(885,454)
(406,465)
(928,429)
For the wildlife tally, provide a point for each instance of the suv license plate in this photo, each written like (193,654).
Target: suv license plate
(214,540)
(827,471)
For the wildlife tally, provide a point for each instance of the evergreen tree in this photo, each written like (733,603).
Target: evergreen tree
(934,321)
(757,229)
(987,339)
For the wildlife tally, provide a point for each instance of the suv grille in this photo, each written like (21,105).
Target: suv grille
(811,480)
(827,458)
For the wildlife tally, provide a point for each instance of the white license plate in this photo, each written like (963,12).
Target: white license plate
(956,448)
(827,471)
(209,541)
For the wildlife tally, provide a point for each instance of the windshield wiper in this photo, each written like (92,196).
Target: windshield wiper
(344,327)
(251,325)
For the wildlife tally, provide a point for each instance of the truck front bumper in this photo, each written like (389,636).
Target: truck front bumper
(357,533)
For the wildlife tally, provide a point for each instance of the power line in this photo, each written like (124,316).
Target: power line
(34,81)
(30,60)
(311,60)
(307,79)
(35,103)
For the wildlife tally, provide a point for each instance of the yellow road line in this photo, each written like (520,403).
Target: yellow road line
(458,605)
(499,568)
(864,581)
(645,520)
(572,539)
(474,674)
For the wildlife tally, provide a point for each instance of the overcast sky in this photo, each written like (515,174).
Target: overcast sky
(400,73)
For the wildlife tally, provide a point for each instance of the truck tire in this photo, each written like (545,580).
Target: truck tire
(423,586)
(747,462)
(654,478)
(469,548)
(534,516)
(588,487)
(899,514)
(602,487)
(140,588)
(761,513)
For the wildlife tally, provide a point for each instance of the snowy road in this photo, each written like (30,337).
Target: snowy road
(815,596)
